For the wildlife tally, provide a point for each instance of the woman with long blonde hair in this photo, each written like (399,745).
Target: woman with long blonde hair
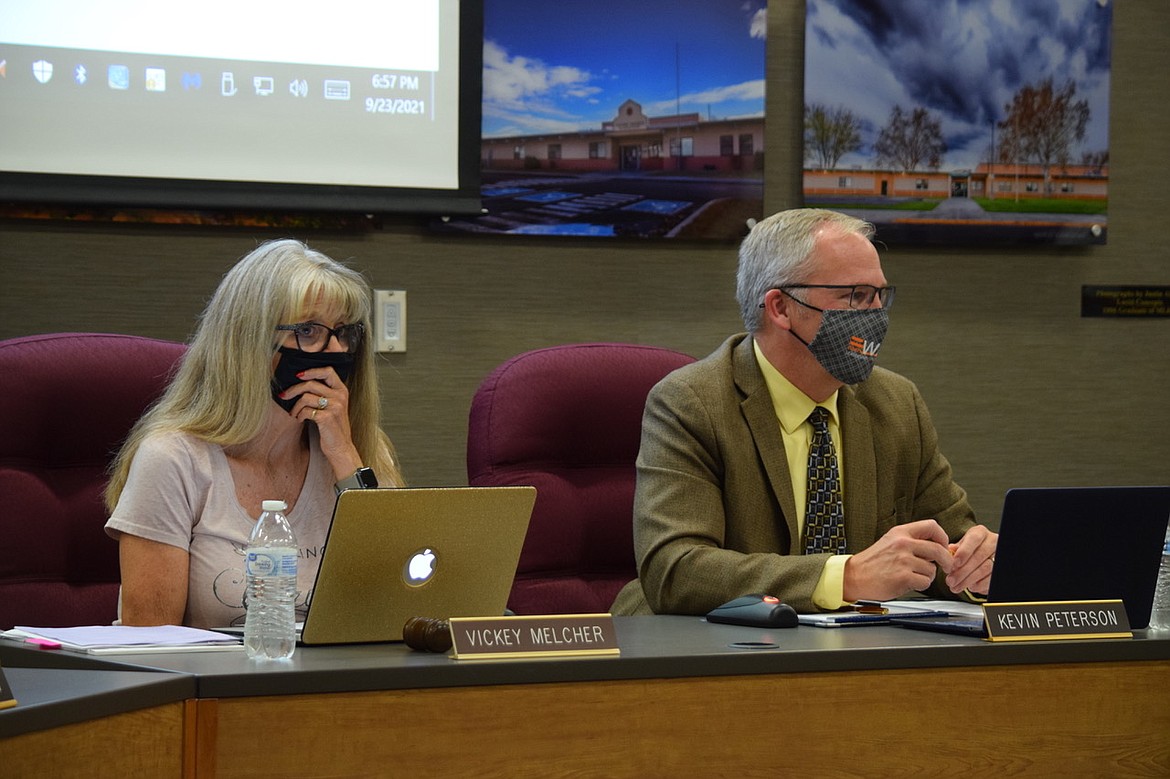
(276,398)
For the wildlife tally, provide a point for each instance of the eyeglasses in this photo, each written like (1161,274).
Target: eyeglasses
(314,336)
(860,295)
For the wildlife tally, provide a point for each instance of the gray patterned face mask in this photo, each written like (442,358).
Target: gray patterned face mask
(848,340)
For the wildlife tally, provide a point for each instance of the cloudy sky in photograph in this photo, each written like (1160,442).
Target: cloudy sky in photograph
(566,65)
(962,60)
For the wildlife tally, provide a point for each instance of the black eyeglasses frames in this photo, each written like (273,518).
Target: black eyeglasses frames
(860,295)
(315,337)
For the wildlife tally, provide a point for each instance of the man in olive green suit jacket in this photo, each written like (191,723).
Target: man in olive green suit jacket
(715,512)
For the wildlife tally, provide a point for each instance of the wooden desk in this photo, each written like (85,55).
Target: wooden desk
(681,702)
(93,723)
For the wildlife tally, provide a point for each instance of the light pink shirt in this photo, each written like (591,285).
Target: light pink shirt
(180,492)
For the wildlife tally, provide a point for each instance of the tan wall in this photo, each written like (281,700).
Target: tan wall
(1023,390)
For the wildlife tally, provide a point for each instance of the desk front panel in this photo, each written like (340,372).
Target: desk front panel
(142,743)
(1098,719)
(92,722)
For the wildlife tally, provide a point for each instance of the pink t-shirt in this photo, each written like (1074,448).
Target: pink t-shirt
(180,492)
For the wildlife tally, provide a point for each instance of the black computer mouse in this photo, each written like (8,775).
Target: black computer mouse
(759,611)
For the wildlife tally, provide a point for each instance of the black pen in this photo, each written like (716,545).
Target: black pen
(870,607)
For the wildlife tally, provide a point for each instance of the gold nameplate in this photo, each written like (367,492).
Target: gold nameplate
(554,635)
(1050,620)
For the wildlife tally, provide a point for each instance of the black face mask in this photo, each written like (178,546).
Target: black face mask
(293,361)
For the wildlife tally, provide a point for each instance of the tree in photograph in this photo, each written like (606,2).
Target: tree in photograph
(1042,124)
(1096,160)
(910,141)
(830,134)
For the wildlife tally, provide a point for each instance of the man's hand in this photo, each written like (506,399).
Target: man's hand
(973,558)
(902,560)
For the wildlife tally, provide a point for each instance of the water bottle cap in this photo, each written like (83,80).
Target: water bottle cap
(274,505)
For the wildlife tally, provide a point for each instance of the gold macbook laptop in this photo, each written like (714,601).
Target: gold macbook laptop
(393,554)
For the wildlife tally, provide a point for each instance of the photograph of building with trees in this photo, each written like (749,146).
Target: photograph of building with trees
(960,120)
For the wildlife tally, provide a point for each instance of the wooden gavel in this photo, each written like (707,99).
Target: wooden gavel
(427,634)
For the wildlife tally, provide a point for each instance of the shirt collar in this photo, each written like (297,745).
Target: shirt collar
(792,406)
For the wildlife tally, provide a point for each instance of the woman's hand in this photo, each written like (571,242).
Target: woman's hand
(324,400)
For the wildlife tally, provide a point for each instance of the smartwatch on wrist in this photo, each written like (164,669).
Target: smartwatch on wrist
(362,479)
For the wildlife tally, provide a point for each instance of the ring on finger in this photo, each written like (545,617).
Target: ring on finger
(314,415)
(322,402)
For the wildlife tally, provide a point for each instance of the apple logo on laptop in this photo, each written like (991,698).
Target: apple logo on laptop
(420,567)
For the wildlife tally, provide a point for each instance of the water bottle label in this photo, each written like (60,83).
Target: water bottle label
(271,562)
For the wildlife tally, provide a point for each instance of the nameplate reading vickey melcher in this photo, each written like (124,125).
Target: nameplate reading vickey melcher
(563,635)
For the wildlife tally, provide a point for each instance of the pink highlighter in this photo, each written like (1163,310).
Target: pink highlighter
(43,643)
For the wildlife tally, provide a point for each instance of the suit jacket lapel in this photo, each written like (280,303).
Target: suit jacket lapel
(860,470)
(765,429)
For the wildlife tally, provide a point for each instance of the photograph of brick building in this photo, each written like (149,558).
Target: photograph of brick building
(592,128)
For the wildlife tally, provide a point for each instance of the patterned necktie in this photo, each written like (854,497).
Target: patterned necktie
(824,516)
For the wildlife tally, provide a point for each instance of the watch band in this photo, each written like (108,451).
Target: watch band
(362,479)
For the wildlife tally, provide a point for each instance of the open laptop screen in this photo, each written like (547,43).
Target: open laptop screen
(1082,543)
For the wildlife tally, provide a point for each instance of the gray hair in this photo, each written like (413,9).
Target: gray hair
(776,252)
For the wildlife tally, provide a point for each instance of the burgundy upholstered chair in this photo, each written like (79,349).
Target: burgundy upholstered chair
(69,400)
(568,420)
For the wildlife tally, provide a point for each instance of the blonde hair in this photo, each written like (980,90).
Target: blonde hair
(776,252)
(221,392)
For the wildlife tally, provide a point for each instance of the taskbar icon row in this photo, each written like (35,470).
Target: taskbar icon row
(119,77)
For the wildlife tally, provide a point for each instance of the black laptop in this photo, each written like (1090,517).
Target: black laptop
(1074,543)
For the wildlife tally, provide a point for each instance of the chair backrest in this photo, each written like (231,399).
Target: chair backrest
(568,420)
(69,400)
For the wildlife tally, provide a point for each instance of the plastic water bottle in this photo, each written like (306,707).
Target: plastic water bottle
(271,565)
(1160,615)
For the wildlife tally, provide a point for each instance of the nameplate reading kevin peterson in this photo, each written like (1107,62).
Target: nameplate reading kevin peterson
(1056,620)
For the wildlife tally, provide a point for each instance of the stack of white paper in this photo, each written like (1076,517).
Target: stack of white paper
(113,639)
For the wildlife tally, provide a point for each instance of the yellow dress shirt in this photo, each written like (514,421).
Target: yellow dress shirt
(792,409)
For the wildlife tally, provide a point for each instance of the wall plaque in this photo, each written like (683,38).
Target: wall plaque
(1122,300)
